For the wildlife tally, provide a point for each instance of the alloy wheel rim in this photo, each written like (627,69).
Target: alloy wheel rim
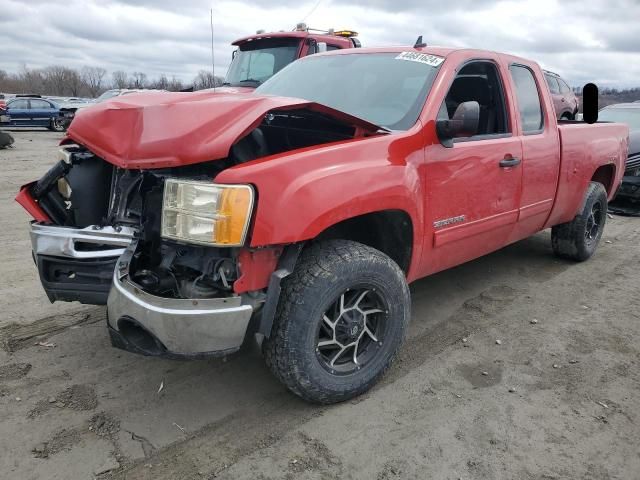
(594,221)
(352,330)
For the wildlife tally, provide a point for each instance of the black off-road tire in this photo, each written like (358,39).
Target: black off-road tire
(577,240)
(326,271)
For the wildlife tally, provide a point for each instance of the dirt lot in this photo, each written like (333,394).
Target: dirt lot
(558,397)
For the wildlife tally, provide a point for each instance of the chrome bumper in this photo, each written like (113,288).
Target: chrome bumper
(90,242)
(77,264)
(151,325)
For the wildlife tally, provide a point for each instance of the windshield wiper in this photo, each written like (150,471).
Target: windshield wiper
(252,80)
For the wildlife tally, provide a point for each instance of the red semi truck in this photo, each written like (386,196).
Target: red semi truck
(258,57)
(300,213)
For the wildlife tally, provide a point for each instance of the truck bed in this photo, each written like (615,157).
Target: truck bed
(583,147)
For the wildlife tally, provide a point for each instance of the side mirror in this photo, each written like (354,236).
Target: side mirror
(233,54)
(463,124)
(322,47)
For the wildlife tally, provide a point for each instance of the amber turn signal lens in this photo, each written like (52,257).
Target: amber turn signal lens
(236,209)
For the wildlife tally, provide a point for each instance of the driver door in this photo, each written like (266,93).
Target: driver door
(474,183)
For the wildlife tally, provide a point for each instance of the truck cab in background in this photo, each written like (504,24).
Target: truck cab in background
(258,57)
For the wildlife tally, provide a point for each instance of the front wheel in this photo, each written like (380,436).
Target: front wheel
(341,319)
(578,239)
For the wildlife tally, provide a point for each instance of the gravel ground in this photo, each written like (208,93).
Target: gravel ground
(517,366)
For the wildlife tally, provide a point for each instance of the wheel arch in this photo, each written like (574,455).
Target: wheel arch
(390,231)
(370,229)
(605,174)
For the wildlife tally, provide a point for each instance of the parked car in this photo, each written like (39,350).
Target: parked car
(69,106)
(628,198)
(565,102)
(32,112)
(301,212)
(3,101)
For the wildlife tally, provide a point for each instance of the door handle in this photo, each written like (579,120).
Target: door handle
(509,162)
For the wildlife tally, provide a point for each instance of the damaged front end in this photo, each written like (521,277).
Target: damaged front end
(99,241)
(153,236)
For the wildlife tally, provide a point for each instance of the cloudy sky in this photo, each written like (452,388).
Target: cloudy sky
(588,40)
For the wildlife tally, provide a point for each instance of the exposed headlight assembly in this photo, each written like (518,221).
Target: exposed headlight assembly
(206,213)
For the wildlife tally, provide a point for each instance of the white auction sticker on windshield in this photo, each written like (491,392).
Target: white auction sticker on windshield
(432,60)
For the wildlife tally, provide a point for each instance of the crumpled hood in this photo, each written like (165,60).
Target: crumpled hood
(159,129)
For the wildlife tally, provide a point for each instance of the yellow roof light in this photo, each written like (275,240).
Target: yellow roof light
(346,33)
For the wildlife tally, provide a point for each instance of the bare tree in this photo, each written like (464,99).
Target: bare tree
(93,77)
(206,79)
(162,83)
(65,81)
(139,80)
(175,85)
(75,84)
(119,79)
(31,81)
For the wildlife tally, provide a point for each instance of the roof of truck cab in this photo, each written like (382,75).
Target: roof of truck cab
(435,50)
(293,34)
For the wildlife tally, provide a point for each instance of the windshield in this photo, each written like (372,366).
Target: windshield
(107,95)
(630,116)
(387,89)
(258,60)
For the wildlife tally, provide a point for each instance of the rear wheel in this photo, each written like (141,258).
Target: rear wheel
(578,239)
(342,317)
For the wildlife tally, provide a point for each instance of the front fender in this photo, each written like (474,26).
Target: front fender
(300,194)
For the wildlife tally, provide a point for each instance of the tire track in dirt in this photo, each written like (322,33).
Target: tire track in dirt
(14,337)
(248,431)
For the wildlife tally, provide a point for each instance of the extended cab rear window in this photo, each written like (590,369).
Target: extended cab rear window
(528,99)
(381,88)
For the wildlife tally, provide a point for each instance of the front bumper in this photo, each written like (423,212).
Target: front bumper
(174,327)
(150,325)
(77,264)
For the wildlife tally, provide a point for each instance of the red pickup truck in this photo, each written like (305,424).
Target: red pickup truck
(299,214)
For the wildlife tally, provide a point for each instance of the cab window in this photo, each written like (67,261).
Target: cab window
(479,81)
(528,99)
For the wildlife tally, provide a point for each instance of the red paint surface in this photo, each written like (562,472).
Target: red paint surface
(25,199)
(338,41)
(256,267)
